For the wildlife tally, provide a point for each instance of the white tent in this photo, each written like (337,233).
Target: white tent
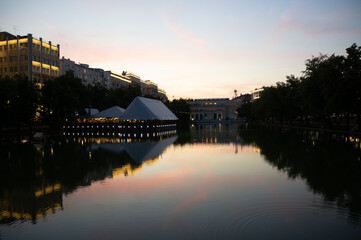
(147,109)
(113,112)
(138,151)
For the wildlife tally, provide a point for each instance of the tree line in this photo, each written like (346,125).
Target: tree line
(328,93)
(62,99)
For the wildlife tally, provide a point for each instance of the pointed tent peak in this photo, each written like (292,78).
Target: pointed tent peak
(112,112)
(147,109)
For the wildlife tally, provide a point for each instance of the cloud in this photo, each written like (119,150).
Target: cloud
(184,34)
(300,20)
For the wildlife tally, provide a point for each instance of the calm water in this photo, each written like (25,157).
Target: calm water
(212,182)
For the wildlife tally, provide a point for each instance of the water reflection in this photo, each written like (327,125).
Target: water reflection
(199,188)
(35,176)
(328,163)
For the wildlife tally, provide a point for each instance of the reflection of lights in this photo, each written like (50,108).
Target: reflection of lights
(90,155)
(47,190)
(256,149)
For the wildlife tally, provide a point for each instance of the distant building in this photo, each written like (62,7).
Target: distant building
(135,79)
(213,109)
(147,87)
(256,94)
(116,80)
(89,76)
(24,54)
(110,79)
(162,94)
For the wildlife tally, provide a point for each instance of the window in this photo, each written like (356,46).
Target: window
(1,60)
(1,48)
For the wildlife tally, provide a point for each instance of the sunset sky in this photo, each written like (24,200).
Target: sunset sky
(191,49)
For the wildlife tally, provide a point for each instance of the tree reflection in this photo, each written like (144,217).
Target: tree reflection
(34,177)
(329,164)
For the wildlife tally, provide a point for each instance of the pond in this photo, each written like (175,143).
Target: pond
(206,182)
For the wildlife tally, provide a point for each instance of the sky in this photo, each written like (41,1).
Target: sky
(192,48)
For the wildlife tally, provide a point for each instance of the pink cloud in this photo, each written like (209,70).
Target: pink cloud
(313,26)
(171,25)
(201,196)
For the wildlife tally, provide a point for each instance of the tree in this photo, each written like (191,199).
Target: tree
(180,108)
(18,101)
(7,98)
(63,99)
(353,78)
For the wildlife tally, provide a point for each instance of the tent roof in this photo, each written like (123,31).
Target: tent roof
(138,151)
(147,109)
(143,151)
(113,112)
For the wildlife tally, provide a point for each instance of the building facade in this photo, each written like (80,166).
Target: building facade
(213,109)
(256,94)
(89,76)
(24,54)
(116,80)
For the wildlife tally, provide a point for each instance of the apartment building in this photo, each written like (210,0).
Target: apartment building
(89,76)
(37,59)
